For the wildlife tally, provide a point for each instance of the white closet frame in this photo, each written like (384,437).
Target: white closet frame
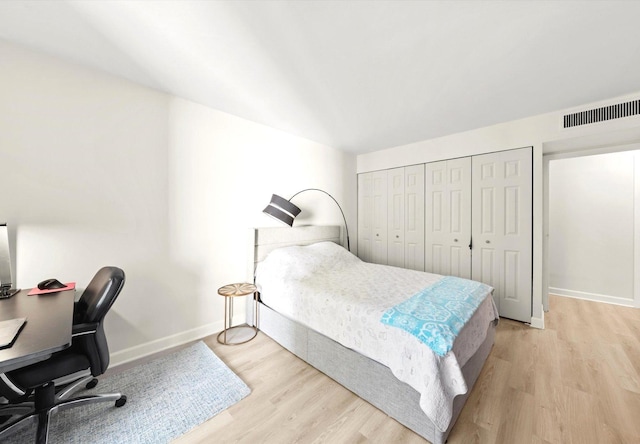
(477,224)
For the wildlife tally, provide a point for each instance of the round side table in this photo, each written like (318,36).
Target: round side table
(229,292)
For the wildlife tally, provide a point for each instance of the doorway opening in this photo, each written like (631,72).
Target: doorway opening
(592,224)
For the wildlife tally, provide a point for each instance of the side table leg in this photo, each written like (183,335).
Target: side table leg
(225,319)
(256,310)
(230,312)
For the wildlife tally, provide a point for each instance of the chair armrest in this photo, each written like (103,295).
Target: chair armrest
(84,329)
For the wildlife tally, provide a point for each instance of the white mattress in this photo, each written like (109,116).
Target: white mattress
(328,289)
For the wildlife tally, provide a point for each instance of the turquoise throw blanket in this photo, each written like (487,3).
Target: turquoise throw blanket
(437,314)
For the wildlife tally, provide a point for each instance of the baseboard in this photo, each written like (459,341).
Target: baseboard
(162,344)
(591,296)
(538,322)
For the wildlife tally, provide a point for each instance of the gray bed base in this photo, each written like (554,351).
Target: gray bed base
(368,379)
(365,377)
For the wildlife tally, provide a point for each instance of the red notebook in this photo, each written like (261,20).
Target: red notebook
(69,286)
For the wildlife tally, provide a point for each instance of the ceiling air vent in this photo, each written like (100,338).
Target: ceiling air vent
(602,114)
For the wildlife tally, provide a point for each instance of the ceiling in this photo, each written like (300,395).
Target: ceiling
(355,75)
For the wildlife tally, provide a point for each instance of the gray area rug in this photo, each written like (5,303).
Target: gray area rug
(166,398)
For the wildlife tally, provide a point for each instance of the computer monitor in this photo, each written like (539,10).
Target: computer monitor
(6,277)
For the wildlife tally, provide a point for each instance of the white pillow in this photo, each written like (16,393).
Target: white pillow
(299,262)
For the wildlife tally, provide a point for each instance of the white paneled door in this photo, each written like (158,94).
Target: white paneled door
(365,216)
(391,217)
(448,217)
(395,217)
(414,217)
(379,220)
(405,217)
(502,228)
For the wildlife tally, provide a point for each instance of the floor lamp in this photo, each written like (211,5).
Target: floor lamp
(283,210)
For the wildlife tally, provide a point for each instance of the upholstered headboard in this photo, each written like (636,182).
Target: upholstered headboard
(263,240)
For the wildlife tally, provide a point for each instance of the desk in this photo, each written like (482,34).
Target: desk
(48,327)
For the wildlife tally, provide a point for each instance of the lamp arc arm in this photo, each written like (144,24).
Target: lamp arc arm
(346,228)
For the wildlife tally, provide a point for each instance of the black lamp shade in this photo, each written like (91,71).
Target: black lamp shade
(282,209)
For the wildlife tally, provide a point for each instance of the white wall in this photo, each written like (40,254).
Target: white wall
(591,226)
(100,171)
(545,134)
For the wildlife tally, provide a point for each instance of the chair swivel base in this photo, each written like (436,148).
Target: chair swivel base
(84,380)
(45,405)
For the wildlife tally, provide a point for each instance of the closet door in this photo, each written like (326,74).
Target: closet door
(448,217)
(391,217)
(395,217)
(379,218)
(502,228)
(365,216)
(414,217)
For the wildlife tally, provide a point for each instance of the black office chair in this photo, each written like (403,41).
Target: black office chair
(87,357)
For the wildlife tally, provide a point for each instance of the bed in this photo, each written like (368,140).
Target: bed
(387,366)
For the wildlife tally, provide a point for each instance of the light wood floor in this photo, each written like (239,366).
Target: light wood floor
(577,381)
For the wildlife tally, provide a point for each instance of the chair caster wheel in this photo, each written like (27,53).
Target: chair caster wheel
(91,384)
(121,401)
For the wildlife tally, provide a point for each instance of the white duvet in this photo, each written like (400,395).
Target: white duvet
(328,289)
